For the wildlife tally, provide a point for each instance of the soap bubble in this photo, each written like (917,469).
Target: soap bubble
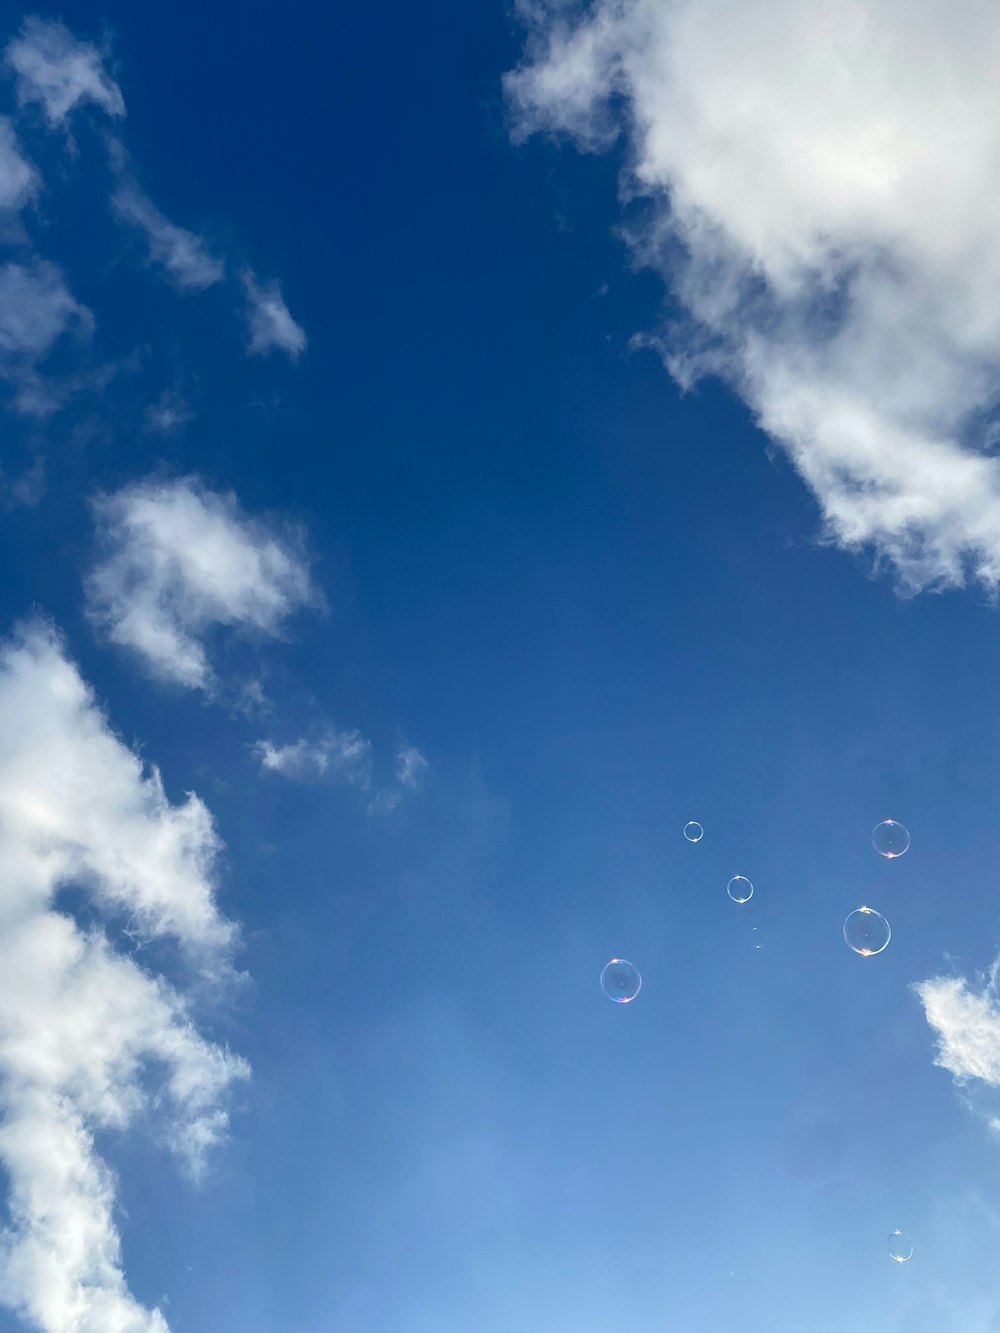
(740,889)
(620,981)
(757,938)
(900,1247)
(867,931)
(693,831)
(890,838)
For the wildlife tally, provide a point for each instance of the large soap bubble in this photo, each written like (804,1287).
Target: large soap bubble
(620,981)
(890,838)
(740,889)
(867,931)
(900,1247)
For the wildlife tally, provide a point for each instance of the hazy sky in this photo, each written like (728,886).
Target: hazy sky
(444,450)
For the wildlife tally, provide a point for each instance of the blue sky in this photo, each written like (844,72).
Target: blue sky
(451,480)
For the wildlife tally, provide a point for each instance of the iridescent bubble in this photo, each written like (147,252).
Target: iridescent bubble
(900,1247)
(867,931)
(890,838)
(740,889)
(757,938)
(620,981)
(693,831)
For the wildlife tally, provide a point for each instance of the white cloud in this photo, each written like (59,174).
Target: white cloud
(410,766)
(344,754)
(271,325)
(36,309)
(19,180)
(169,412)
(183,255)
(89,1041)
(967,1024)
(825,201)
(409,770)
(181,559)
(57,71)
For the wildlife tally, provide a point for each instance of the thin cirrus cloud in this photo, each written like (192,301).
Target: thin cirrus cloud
(271,325)
(410,766)
(180,561)
(19,179)
(339,754)
(410,769)
(62,75)
(347,756)
(37,311)
(58,72)
(182,255)
(90,1042)
(823,198)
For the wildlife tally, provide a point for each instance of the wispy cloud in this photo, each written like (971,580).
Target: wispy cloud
(89,1041)
(271,325)
(410,766)
(410,769)
(345,756)
(183,256)
(59,73)
(19,179)
(37,309)
(170,411)
(335,754)
(180,560)
(821,198)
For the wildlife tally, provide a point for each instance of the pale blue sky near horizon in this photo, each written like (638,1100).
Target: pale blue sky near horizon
(599,608)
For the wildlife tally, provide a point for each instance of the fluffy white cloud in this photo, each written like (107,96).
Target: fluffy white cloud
(18,178)
(967,1024)
(271,325)
(58,72)
(180,559)
(183,256)
(344,754)
(89,1041)
(824,193)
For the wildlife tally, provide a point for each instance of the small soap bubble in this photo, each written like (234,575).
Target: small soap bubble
(890,838)
(740,889)
(757,938)
(620,981)
(867,931)
(900,1247)
(693,831)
